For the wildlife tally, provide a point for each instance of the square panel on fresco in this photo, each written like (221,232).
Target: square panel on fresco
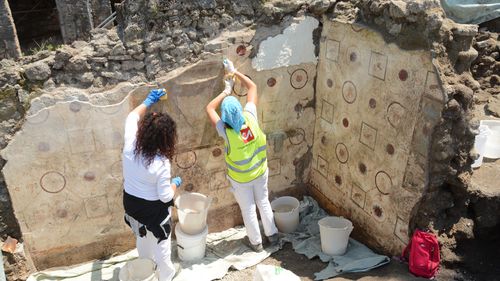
(327,111)
(378,65)
(274,167)
(322,166)
(368,135)
(332,49)
(81,141)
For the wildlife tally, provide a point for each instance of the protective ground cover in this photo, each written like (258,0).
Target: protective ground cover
(225,249)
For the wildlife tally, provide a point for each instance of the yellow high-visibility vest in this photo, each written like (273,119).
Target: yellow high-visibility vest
(246,151)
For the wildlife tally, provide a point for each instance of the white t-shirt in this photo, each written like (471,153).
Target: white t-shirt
(149,183)
(220,126)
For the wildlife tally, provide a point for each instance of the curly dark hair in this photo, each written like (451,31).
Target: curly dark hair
(157,135)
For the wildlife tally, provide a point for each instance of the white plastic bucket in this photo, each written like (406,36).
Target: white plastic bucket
(192,209)
(286,213)
(138,270)
(492,146)
(334,233)
(479,145)
(191,247)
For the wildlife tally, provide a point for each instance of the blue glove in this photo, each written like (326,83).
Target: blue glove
(177,181)
(154,96)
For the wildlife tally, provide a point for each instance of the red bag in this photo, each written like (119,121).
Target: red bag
(423,258)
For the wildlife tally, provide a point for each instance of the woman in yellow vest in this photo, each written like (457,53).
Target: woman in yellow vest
(245,151)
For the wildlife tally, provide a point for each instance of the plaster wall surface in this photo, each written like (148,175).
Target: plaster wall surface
(376,106)
(9,43)
(71,198)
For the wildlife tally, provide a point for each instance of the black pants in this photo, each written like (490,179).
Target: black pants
(152,214)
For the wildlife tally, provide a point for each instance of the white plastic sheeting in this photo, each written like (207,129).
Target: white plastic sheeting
(265,272)
(471,11)
(224,250)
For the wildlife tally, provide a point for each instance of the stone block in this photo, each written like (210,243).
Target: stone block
(120,58)
(38,71)
(130,64)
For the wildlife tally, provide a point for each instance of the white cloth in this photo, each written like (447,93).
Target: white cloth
(148,247)
(150,183)
(248,195)
(221,128)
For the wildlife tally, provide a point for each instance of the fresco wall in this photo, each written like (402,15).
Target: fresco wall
(376,106)
(64,169)
(354,122)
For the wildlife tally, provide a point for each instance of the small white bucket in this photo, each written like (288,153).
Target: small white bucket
(479,144)
(192,209)
(138,270)
(191,247)
(492,146)
(286,213)
(334,233)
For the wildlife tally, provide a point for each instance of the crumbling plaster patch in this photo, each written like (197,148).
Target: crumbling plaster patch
(293,47)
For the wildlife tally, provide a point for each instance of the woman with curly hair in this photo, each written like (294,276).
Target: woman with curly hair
(149,190)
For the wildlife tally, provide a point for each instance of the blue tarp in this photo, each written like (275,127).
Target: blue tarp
(471,11)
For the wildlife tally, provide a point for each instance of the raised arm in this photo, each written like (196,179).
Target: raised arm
(140,110)
(131,123)
(250,85)
(152,98)
(214,104)
(247,82)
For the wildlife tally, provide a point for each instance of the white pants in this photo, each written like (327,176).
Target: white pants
(248,195)
(148,247)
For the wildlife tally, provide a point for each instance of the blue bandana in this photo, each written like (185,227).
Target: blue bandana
(232,113)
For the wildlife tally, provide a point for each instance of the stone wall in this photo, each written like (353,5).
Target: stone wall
(9,44)
(75,19)
(101,9)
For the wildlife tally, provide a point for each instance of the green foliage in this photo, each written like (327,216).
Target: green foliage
(45,45)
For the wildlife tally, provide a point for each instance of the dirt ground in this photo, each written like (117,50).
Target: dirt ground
(305,269)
